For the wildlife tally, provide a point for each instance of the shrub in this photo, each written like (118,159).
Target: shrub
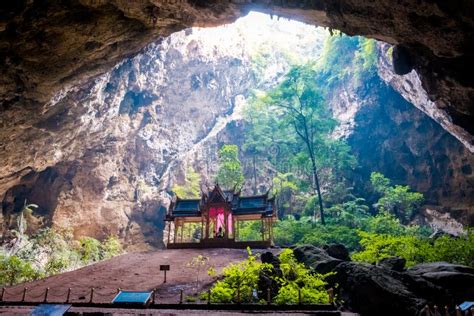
(15,270)
(111,247)
(298,280)
(239,283)
(90,249)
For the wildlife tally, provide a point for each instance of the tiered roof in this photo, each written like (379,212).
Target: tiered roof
(239,205)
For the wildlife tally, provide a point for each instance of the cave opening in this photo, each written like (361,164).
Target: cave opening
(208,105)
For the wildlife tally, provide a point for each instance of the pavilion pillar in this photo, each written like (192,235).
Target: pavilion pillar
(207,224)
(175,231)
(233,227)
(263,229)
(226,223)
(202,227)
(169,232)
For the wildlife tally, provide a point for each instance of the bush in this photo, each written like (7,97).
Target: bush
(240,282)
(90,249)
(416,249)
(111,247)
(15,270)
(332,234)
(297,279)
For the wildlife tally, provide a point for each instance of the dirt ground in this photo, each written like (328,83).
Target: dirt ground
(133,271)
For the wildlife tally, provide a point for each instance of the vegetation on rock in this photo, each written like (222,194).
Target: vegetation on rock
(51,251)
(296,284)
(229,175)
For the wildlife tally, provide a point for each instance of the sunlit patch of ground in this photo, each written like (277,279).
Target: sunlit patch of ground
(135,272)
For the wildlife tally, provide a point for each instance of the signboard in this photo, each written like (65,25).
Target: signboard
(132,297)
(50,309)
(164,267)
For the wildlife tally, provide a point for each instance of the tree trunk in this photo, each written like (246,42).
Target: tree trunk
(254,176)
(318,191)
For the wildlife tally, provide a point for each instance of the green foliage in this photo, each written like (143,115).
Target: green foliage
(89,250)
(351,213)
(250,230)
(296,278)
(397,199)
(111,247)
(417,249)
(53,251)
(230,174)
(303,124)
(455,250)
(15,270)
(239,282)
(191,187)
(332,234)
(198,263)
(379,246)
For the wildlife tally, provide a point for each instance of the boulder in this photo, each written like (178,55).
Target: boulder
(266,278)
(315,257)
(393,263)
(338,251)
(457,279)
(386,289)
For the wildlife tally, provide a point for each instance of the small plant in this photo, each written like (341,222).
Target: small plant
(190,299)
(198,263)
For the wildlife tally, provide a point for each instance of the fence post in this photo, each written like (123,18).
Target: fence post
(46,295)
(181,296)
(427,310)
(24,294)
(68,295)
(238,295)
(446,310)
(154,297)
(269,296)
(209,296)
(299,296)
(331,295)
(458,311)
(3,293)
(92,295)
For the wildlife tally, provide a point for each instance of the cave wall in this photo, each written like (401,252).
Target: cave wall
(393,137)
(112,143)
(46,46)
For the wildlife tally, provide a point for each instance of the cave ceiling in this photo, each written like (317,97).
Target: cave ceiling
(46,46)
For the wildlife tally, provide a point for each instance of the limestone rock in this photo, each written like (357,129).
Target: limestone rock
(393,263)
(378,290)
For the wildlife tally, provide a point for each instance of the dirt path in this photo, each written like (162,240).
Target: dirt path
(134,271)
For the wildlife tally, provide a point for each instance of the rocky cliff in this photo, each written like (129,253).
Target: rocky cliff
(98,157)
(101,156)
(48,45)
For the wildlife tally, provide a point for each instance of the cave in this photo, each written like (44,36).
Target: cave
(110,108)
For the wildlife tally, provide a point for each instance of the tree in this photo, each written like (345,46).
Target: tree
(304,109)
(397,199)
(230,174)
(191,186)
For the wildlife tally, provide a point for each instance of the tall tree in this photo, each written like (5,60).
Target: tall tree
(303,108)
(230,174)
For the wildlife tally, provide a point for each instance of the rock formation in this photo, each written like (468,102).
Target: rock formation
(391,290)
(48,45)
(101,156)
